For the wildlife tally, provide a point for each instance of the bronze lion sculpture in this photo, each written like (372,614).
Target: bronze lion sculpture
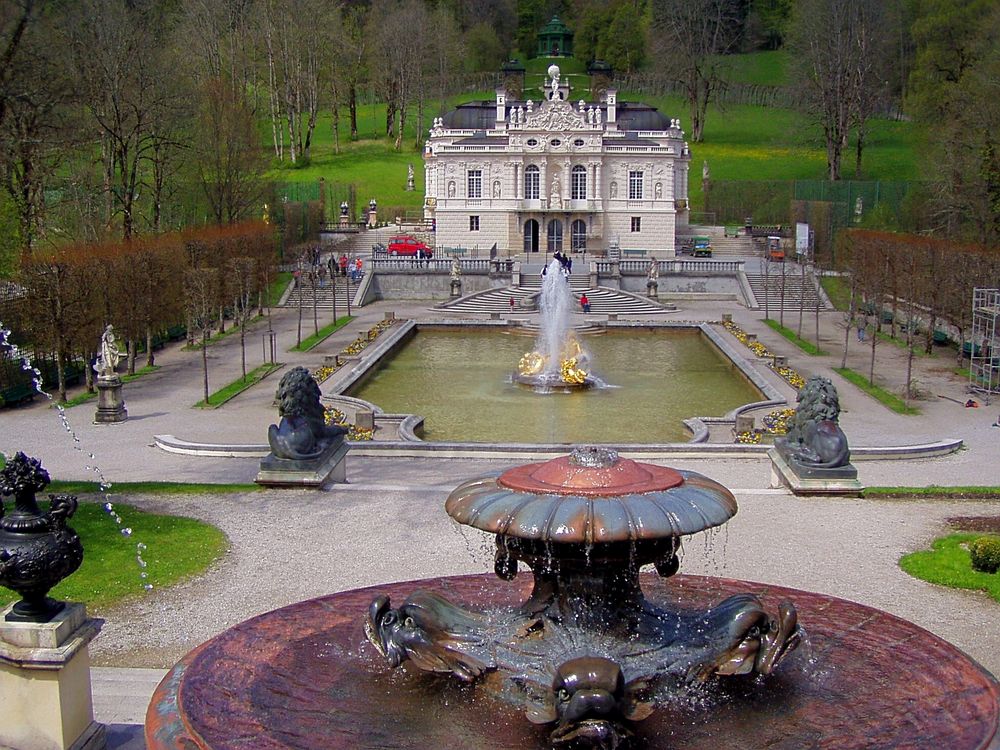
(814,438)
(302,433)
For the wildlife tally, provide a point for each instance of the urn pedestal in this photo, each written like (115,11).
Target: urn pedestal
(110,404)
(45,683)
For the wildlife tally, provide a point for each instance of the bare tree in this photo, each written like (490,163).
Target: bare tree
(35,111)
(397,60)
(838,48)
(229,159)
(689,36)
(200,285)
(242,270)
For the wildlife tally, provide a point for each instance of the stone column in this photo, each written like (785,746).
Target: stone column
(110,404)
(45,683)
(597,182)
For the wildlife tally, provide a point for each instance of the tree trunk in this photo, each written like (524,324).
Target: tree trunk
(871,364)
(150,357)
(130,359)
(352,103)
(859,146)
(204,359)
(402,126)
(851,311)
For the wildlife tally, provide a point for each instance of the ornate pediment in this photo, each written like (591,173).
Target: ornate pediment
(555,115)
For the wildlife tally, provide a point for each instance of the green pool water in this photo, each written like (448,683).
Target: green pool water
(459,381)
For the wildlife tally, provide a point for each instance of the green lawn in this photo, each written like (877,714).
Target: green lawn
(767,68)
(234,389)
(807,346)
(742,142)
(881,395)
(320,336)
(947,563)
(177,548)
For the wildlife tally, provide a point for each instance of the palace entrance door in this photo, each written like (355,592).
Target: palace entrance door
(531,236)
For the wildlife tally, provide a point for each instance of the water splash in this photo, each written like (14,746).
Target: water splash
(104,486)
(555,304)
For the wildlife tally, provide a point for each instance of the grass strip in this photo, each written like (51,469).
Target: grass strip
(88,396)
(317,338)
(278,286)
(807,346)
(217,337)
(932,490)
(947,563)
(239,385)
(177,548)
(884,397)
(838,290)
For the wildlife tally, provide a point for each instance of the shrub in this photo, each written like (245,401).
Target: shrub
(985,554)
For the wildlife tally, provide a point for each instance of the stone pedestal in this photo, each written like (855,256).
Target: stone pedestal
(805,480)
(652,290)
(456,288)
(372,218)
(45,683)
(110,404)
(316,472)
(345,221)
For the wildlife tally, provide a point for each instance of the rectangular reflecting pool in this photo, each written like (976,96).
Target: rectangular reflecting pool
(460,382)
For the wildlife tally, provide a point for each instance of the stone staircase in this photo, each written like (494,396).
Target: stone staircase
(603,300)
(324,295)
(795,291)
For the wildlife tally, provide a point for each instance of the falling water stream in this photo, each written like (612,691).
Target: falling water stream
(104,486)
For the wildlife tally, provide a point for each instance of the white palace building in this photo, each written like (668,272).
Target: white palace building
(555,175)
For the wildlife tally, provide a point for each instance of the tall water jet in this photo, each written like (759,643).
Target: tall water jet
(559,358)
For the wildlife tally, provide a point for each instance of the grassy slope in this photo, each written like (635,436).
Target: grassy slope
(741,142)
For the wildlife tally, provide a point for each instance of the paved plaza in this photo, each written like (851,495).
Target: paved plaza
(388,522)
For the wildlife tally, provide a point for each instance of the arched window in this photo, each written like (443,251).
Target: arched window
(578,183)
(555,236)
(578,235)
(531,191)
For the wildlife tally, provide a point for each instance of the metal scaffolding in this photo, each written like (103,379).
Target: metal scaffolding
(984,348)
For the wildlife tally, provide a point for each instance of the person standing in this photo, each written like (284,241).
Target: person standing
(585,302)
(343,265)
(511,301)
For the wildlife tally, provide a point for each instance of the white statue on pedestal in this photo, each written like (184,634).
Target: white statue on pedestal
(107,361)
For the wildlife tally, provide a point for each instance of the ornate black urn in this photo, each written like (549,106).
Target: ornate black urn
(37,550)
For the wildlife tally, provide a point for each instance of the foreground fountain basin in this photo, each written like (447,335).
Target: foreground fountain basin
(304,678)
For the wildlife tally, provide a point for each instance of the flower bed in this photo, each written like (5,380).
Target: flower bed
(776,422)
(337,417)
(355,347)
(790,376)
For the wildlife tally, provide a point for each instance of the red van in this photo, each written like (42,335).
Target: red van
(408,247)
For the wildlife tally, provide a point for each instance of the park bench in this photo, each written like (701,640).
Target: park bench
(176,333)
(633,252)
(17,394)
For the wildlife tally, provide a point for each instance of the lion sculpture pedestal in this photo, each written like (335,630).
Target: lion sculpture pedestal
(305,451)
(814,458)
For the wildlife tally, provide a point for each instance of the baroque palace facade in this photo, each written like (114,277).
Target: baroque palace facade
(552,175)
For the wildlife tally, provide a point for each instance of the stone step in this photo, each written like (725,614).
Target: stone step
(602,300)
